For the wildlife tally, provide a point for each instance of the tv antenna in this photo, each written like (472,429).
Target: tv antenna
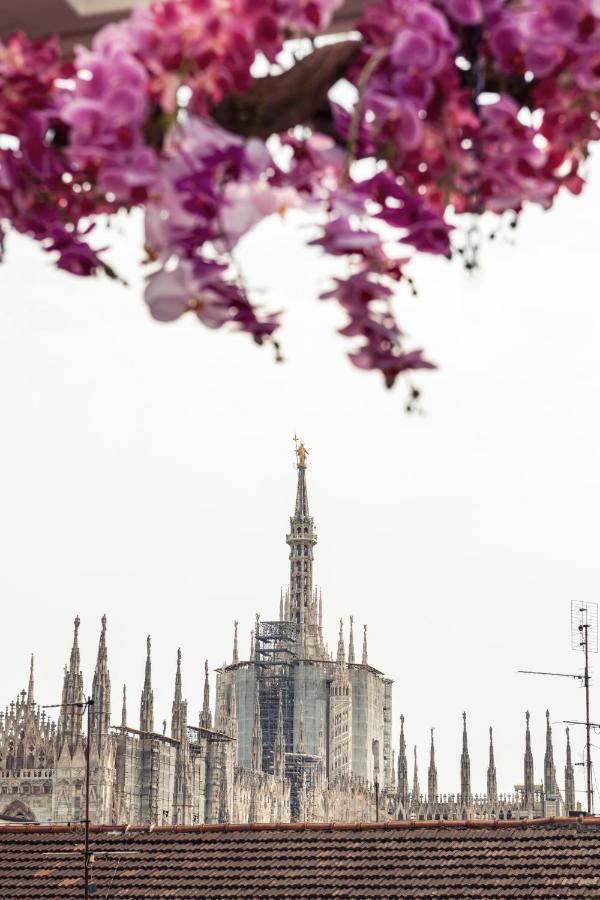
(584,636)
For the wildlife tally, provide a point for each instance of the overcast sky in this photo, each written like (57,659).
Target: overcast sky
(147,472)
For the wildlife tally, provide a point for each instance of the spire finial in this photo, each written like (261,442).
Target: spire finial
(365,655)
(550,785)
(341,653)
(124,708)
(432,774)
(30,688)
(465,767)
(492,786)
(206,715)
(104,622)
(351,641)
(236,657)
(147,698)
(301,453)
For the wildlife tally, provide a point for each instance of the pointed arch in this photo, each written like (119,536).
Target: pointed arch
(17,811)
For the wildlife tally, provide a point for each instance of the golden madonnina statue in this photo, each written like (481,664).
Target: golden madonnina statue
(301,454)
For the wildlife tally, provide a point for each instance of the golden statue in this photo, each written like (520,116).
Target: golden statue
(301,453)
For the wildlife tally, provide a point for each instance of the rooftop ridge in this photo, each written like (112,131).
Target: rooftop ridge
(473,824)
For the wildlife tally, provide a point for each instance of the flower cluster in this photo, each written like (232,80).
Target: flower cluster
(461,106)
(213,188)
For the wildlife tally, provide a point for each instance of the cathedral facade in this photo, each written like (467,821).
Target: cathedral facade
(296,733)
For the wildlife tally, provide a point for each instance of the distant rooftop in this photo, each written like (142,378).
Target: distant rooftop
(541,858)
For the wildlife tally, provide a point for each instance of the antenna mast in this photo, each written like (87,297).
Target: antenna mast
(584,635)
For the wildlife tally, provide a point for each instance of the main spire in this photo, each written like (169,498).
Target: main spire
(301,539)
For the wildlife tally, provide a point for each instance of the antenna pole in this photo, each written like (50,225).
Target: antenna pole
(588,728)
(86,878)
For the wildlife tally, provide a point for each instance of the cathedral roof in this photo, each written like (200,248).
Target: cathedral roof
(542,858)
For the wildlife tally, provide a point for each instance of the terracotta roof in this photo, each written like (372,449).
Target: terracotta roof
(543,859)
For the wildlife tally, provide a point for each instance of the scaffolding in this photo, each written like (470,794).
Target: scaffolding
(276,646)
(276,655)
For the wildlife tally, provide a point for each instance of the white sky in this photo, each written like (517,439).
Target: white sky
(146,471)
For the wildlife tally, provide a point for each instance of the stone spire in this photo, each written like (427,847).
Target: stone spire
(402,768)
(492,784)
(341,653)
(281,612)
(124,708)
(550,786)
(465,767)
(279,758)
(365,655)
(257,733)
(30,700)
(101,695)
(569,779)
(416,790)
(236,655)
(147,698)
(301,539)
(206,715)
(528,783)
(177,708)
(71,717)
(251,645)
(351,658)
(432,774)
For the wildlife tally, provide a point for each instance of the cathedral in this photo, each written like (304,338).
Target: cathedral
(296,733)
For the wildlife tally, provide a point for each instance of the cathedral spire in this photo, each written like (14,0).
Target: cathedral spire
(257,733)
(236,655)
(341,653)
(30,700)
(124,708)
(147,698)
(465,767)
(101,695)
(569,779)
(177,707)
(432,774)
(301,539)
(206,715)
(492,784)
(281,613)
(402,768)
(550,787)
(365,655)
(351,641)
(416,790)
(528,783)
(71,716)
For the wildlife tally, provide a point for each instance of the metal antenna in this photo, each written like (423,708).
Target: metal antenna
(87,856)
(584,635)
